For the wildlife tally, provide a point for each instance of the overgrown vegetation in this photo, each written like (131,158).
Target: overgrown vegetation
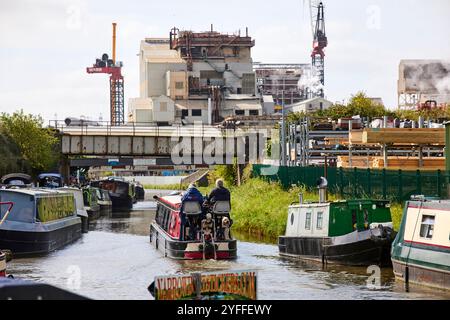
(32,143)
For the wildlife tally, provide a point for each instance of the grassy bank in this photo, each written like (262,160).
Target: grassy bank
(260,207)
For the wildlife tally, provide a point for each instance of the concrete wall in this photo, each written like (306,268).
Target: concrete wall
(140,110)
(172,78)
(163,109)
(156,77)
(310,105)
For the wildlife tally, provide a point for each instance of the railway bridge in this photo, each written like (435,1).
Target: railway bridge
(176,145)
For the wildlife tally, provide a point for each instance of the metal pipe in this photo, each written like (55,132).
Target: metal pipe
(114,43)
(421,122)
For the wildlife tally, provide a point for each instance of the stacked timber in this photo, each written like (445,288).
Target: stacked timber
(408,163)
(355,136)
(428,136)
(394,163)
(356,162)
(332,141)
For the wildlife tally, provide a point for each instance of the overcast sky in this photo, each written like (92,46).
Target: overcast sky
(46,45)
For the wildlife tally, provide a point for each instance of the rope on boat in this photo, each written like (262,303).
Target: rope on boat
(11,205)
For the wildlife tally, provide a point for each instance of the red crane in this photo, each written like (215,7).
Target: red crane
(116,82)
(320,42)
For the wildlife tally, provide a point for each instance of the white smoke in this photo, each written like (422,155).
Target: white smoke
(309,81)
(428,77)
(443,85)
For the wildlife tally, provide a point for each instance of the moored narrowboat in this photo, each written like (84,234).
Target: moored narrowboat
(120,192)
(81,210)
(139,192)
(104,201)
(421,250)
(182,231)
(50,180)
(353,232)
(41,221)
(91,202)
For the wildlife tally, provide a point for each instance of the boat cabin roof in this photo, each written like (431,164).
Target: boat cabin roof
(35,191)
(52,175)
(339,202)
(439,205)
(173,201)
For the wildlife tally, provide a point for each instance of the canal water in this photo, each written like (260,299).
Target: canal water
(116,261)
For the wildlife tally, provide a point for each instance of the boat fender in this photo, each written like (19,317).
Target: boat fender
(156,243)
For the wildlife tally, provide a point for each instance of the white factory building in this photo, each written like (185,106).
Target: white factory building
(192,77)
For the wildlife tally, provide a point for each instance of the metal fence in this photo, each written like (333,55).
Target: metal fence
(362,183)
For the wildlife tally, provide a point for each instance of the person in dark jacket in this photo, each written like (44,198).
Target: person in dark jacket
(219,193)
(191,194)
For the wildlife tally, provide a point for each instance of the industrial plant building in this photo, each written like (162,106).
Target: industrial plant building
(310,105)
(196,77)
(423,84)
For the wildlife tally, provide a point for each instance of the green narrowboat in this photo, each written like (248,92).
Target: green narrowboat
(352,232)
(91,202)
(421,250)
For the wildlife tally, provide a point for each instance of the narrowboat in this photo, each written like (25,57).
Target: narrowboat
(79,202)
(120,192)
(181,230)
(3,256)
(140,192)
(104,201)
(421,250)
(50,180)
(20,180)
(91,203)
(41,221)
(352,232)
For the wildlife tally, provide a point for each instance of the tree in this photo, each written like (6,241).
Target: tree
(36,144)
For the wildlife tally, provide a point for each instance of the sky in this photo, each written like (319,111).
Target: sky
(46,45)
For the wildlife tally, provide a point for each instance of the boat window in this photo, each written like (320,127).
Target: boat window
(427,227)
(166,219)
(319,220)
(158,209)
(308,221)
(23,210)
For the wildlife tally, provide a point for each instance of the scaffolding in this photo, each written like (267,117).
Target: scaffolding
(274,79)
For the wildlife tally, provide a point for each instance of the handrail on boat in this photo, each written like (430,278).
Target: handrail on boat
(11,205)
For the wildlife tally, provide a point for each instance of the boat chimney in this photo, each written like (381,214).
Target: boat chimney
(300,198)
(322,185)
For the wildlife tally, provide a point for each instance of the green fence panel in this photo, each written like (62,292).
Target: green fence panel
(363,183)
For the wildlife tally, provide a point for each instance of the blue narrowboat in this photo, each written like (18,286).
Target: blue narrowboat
(41,221)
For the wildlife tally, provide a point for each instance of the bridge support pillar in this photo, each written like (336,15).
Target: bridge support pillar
(64,168)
